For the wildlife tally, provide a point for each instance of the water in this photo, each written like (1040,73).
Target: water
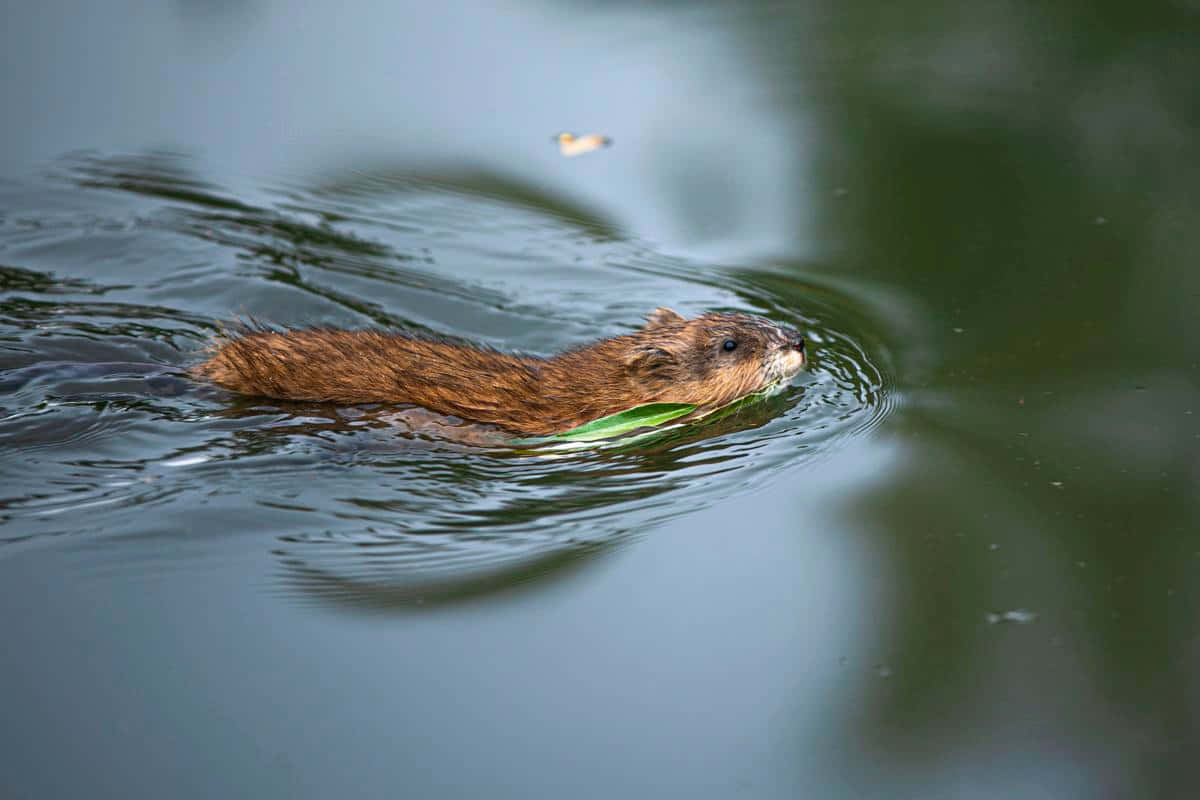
(956,558)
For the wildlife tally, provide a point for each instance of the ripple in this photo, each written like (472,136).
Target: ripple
(354,508)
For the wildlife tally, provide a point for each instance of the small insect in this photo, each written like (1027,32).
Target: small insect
(571,145)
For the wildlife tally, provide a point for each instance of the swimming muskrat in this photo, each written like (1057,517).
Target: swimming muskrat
(708,362)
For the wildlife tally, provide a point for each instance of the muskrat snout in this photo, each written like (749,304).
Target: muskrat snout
(796,342)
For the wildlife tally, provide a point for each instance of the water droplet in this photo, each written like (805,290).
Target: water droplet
(1018,616)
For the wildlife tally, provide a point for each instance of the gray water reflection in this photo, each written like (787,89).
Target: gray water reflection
(998,199)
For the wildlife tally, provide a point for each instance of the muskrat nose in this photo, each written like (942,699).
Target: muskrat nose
(797,342)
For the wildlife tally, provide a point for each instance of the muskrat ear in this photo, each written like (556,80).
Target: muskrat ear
(648,361)
(662,316)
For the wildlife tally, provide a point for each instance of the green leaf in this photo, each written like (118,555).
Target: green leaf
(625,421)
(634,419)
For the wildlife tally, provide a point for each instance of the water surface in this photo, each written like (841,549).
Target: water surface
(956,558)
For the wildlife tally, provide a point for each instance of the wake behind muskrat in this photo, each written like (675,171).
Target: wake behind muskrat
(707,362)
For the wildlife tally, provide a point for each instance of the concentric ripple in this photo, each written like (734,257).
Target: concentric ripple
(98,423)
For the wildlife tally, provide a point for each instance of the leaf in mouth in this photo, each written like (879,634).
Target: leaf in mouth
(639,417)
(631,419)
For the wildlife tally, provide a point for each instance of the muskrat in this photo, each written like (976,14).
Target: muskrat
(708,362)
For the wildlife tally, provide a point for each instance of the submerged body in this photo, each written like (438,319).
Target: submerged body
(708,362)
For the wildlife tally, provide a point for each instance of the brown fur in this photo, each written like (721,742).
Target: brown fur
(669,360)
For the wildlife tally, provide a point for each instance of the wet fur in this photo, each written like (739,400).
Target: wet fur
(669,360)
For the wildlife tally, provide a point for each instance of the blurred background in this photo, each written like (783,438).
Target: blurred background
(960,558)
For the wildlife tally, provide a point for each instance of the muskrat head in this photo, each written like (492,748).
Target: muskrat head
(713,359)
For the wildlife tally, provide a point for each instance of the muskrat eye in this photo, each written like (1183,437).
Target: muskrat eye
(730,344)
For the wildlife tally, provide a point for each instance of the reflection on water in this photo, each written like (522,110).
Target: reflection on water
(372,505)
(984,213)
